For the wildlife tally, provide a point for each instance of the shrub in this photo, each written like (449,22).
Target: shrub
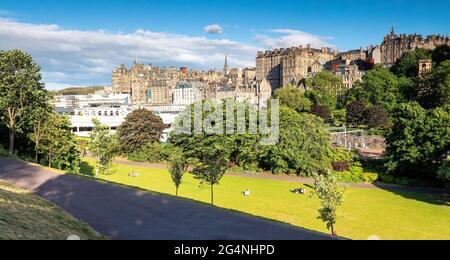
(370,177)
(3,152)
(349,177)
(151,152)
(341,160)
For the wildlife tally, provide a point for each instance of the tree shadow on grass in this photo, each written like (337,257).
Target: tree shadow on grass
(434,196)
(86,169)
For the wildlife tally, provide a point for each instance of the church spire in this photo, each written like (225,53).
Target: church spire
(392,31)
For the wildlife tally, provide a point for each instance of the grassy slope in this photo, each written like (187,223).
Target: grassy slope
(366,211)
(24,216)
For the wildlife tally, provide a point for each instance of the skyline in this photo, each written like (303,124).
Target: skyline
(80,43)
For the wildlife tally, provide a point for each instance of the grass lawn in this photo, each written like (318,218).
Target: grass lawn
(24,216)
(366,212)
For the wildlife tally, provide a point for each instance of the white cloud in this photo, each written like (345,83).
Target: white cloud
(284,38)
(74,57)
(213,29)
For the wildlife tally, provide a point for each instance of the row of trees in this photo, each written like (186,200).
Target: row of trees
(28,116)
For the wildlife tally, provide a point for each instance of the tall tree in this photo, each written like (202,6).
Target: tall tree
(302,148)
(140,128)
(331,196)
(38,118)
(419,140)
(178,166)
(211,169)
(408,64)
(104,148)
(58,143)
(294,98)
(20,87)
(441,54)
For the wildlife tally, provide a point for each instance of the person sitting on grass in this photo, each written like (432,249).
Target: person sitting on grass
(246,193)
(299,191)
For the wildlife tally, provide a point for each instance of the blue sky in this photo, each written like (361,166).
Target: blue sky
(80,42)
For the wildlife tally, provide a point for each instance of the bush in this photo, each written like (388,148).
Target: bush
(151,152)
(349,177)
(370,177)
(341,160)
(3,152)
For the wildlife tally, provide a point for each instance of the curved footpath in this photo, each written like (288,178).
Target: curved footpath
(126,213)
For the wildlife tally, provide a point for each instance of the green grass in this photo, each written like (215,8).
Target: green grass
(366,212)
(24,216)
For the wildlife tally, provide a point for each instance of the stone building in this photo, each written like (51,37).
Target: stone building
(394,46)
(282,67)
(186,93)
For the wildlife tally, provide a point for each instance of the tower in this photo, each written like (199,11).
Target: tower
(225,67)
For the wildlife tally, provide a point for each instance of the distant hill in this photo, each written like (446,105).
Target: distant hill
(80,90)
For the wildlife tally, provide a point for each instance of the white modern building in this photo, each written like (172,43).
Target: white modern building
(109,109)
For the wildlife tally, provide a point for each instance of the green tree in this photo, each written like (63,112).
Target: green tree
(211,168)
(380,87)
(302,148)
(433,90)
(322,98)
(441,54)
(104,148)
(20,87)
(419,140)
(331,196)
(294,98)
(38,117)
(140,128)
(178,166)
(58,143)
(326,82)
(408,64)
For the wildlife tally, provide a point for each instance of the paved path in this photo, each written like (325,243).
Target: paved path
(126,213)
(269,176)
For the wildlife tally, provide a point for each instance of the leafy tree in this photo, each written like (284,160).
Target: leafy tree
(380,87)
(326,82)
(151,152)
(178,166)
(242,149)
(211,168)
(322,98)
(38,117)
(104,147)
(441,54)
(294,98)
(419,140)
(20,89)
(376,117)
(322,112)
(408,64)
(339,117)
(331,196)
(433,90)
(341,160)
(58,143)
(356,113)
(302,148)
(140,128)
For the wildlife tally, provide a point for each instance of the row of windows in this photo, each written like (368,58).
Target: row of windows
(101,113)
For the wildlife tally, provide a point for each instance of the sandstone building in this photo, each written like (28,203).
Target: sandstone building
(394,46)
(282,67)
